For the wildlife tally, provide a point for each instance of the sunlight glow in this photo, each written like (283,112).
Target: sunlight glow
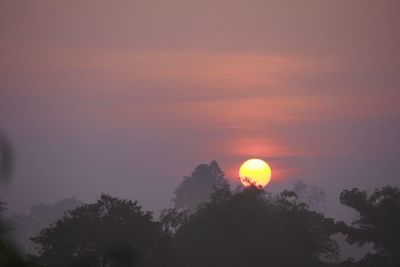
(255,171)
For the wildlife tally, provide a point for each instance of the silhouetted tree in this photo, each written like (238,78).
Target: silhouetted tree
(39,217)
(110,232)
(196,188)
(251,229)
(9,254)
(379,223)
(172,219)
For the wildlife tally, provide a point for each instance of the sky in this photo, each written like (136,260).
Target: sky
(127,97)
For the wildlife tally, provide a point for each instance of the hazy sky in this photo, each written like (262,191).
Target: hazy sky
(126,97)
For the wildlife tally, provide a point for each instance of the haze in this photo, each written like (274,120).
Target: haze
(126,96)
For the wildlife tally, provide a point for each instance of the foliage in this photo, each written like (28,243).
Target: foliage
(110,232)
(250,229)
(9,254)
(196,188)
(172,219)
(379,223)
(39,217)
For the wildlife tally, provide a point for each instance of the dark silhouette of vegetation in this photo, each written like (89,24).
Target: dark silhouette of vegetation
(172,219)
(209,226)
(39,217)
(251,229)
(9,254)
(379,224)
(245,228)
(197,187)
(110,232)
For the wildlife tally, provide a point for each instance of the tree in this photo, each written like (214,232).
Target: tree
(39,217)
(172,219)
(110,232)
(379,224)
(9,254)
(250,229)
(196,188)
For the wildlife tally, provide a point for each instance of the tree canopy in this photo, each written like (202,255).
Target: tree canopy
(9,254)
(110,232)
(197,187)
(250,229)
(379,224)
(40,216)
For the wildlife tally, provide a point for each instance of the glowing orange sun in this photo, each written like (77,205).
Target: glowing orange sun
(255,171)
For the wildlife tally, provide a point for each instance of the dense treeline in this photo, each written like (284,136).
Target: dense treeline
(243,229)
(217,227)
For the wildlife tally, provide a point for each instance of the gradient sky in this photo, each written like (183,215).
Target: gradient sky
(126,97)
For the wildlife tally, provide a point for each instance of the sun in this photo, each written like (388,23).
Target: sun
(255,171)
